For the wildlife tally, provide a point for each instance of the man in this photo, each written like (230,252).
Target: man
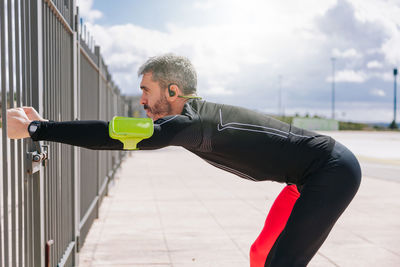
(246,143)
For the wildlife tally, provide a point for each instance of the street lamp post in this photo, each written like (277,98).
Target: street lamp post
(393,125)
(280,97)
(333,87)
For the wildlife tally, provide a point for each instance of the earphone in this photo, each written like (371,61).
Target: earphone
(172,93)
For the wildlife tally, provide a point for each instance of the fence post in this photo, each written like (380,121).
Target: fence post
(3,224)
(37,102)
(76,150)
(100,156)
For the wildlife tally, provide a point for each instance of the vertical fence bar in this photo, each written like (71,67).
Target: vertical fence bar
(19,145)
(52,115)
(98,116)
(64,159)
(77,151)
(3,116)
(24,144)
(54,252)
(49,168)
(62,148)
(58,166)
(37,102)
(45,71)
(29,204)
(11,72)
(5,145)
(54,146)
(28,181)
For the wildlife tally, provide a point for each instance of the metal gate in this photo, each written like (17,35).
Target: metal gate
(51,192)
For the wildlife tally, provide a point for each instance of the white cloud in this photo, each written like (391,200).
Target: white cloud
(365,112)
(256,41)
(250,35)
(374,65)
(374,51)
(208,4)
(377,92)
(349,76)
(384,76)
(387,14)
(349,111)
(388,77)
(219,53)
(391,49)
(86,11)
(217,90)
(349,53)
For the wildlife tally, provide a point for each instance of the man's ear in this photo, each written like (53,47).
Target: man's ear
(172,92)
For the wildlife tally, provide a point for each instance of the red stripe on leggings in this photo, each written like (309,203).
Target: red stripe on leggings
(274,224)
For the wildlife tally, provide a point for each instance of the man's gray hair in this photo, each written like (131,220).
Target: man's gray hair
(170,68)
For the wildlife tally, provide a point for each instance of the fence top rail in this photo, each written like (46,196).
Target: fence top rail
(89,52)
(109,83)
(59,16)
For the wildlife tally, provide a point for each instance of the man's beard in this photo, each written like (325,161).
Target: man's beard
(160,109)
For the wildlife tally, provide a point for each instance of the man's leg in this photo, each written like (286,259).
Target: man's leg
(274,224)
(324,197)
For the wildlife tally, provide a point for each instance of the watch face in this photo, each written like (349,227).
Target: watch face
(33,128)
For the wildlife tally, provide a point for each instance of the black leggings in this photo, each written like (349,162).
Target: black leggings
(324,197)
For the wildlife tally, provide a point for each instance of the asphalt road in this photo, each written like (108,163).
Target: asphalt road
(377,152)
(380,171)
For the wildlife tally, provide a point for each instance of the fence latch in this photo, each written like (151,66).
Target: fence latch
(35,158)
(46,150)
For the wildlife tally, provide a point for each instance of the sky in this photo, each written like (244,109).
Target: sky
(247,52)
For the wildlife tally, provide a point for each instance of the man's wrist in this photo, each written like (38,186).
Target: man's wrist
(33,129)
(27,123)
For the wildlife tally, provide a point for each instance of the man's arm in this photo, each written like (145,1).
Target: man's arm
(178,130)
(175,130)
(91,134)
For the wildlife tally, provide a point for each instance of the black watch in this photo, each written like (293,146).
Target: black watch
(33,127)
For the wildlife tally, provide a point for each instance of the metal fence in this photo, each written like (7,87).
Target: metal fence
(51,192)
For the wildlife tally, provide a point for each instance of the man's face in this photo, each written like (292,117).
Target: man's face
(154,98)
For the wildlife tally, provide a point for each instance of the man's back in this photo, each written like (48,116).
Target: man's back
(247,143)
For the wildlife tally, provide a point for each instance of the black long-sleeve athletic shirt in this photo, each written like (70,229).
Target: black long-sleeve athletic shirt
(244,142)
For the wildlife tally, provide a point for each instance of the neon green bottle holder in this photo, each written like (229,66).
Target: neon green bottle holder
(130,131)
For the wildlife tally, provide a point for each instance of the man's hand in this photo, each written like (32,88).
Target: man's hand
(32,114)
(17,123)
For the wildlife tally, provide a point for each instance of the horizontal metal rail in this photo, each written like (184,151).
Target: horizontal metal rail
(59,16)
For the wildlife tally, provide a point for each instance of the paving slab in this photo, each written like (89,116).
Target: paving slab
(197,215)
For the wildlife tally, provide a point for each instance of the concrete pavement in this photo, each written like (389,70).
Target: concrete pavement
(197,215)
